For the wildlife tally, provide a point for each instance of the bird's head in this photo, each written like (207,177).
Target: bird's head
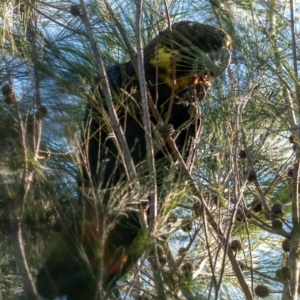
(189,50)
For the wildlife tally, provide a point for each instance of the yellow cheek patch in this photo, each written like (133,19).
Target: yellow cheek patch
(164,60)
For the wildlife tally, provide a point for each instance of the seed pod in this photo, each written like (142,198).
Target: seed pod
(284,274)
(236,245)
(198,209)
(9,100)
(252,176)
(292,139)
(277,209)
(187,269)
(290,172)
(7,90)
(75,10)
(182,251)
(242,215)
(243,154)
(215,200)
(262,291)
(276,223)
(257,205)
(239,215)
(286,245)
(9,94)
(42,112)
(172,218)
(162,260)
(187,226)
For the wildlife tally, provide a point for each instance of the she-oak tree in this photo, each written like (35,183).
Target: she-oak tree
(247,158)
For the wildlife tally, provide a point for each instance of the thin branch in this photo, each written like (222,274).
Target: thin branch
(19,251)
(214,280)
(146,115)
(55,21)
(107,94)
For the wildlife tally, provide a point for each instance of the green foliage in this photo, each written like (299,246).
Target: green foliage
(253,106)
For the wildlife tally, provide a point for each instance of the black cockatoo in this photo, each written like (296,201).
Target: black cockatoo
(103,244)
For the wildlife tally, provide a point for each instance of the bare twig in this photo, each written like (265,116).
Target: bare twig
(214,280)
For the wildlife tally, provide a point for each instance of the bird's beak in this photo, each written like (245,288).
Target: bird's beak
(220,60)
